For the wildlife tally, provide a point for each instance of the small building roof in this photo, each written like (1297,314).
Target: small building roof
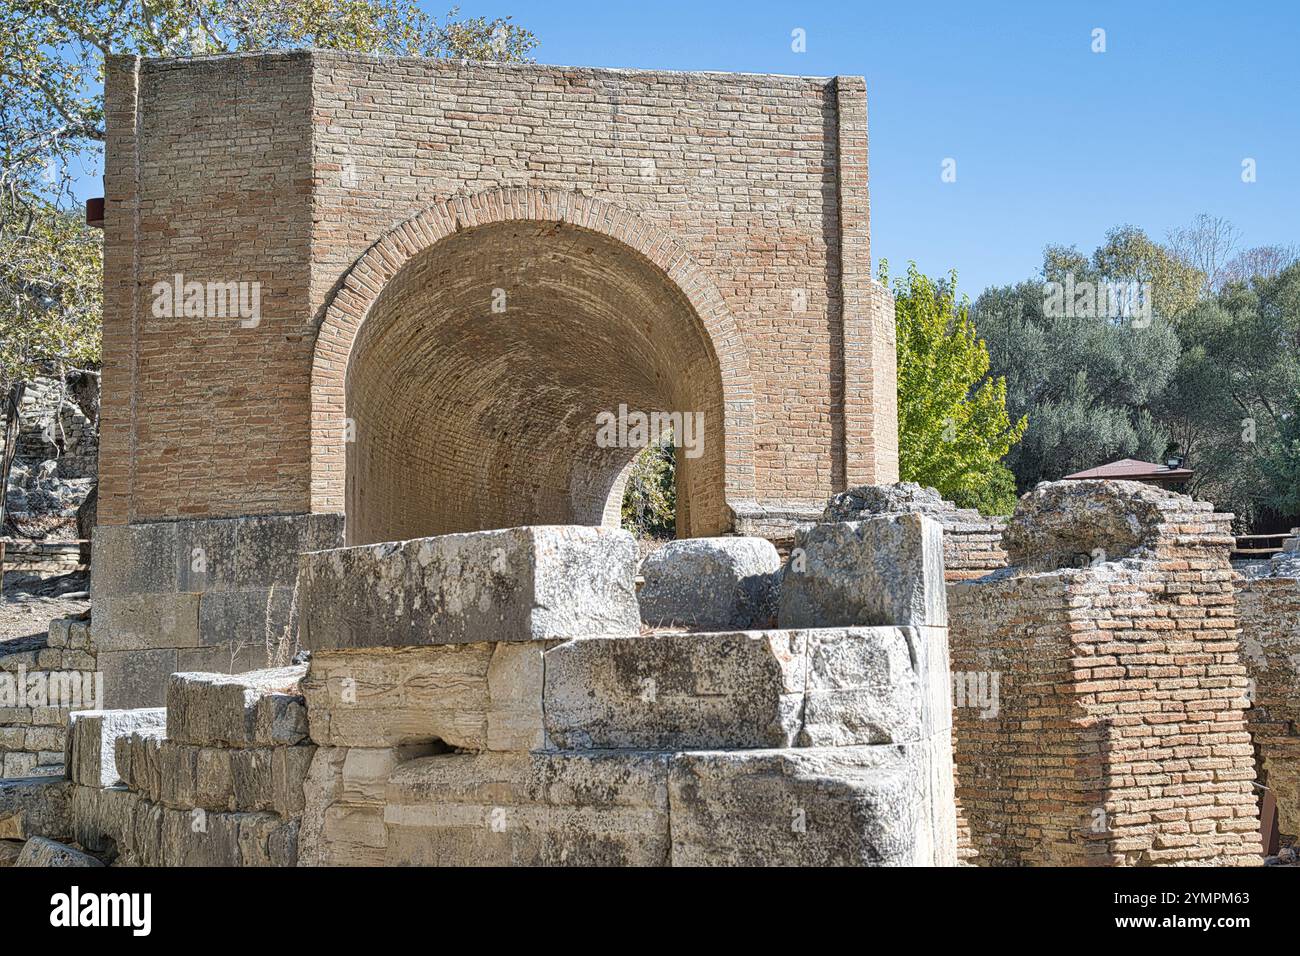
(1131,469)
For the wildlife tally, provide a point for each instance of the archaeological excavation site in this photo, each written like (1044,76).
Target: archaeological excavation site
(358,590)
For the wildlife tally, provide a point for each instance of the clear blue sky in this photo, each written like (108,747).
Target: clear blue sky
(1054,143)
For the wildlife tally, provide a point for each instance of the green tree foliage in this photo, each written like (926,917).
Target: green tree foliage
(1212,374)
(1088,384)
(650,497)
(50,281)
(953,426)
(1281,466)
(52,123)
(1230,404)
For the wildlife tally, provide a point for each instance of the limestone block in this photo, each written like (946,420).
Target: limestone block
(92,738)
(243,617)
(279,720)
(10,850)
(206,709)
(675,690)
(861,688)
(477,696)
(39,851)
(139,761)
(58,632)
(131,559)
(343,812)
(232,779)
(35,806)
(711,584)
(880,571)
(205,838)
(529,810)
(103,818)
(136,678)
(838,806)
(517,584)
(131,622)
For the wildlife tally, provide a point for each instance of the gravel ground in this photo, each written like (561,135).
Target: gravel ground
(31,601)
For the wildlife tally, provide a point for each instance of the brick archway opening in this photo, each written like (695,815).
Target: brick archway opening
(474,388)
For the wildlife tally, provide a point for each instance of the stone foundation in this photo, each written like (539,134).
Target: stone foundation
(205,595)
(799,746)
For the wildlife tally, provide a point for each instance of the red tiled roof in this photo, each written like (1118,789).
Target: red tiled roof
(1133,469)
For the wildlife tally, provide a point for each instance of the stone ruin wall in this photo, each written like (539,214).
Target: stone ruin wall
(1117,736)
(1268,609)
(1120,734)
(552,728)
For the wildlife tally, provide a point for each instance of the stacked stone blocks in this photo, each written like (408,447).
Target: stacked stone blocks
(214,779)
(594,742)
(199,595)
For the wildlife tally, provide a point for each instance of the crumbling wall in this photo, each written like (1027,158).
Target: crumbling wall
(1268,608)
(41,683)
(214,779)
(1119,733)
(972,542)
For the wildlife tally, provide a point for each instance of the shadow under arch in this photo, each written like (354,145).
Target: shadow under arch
(461,365)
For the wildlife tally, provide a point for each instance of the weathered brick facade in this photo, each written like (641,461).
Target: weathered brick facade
(1118,735)
(1269,612)
(678,242)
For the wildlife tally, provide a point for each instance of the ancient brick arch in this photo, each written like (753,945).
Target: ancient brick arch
(598,310)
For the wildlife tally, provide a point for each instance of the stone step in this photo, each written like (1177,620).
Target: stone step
(800,807)
(516,584)
(747,689)
(262,708)
(91,751)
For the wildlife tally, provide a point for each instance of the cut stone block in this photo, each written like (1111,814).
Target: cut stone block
(103,818)
(139,761)
(166,837)
(839,806)
(711,584)
(673,690)
(477,696)
(517,584)
(92,738)
(862,688)
(40,851)
(881,571)
(132,622)
(748,689)
(229,779)
(35,806)
(207,709)
(529,810)
(343,817)
(136,678)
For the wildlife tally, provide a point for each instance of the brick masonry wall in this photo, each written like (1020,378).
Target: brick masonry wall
(1269,613)
(1119,737)
(286,169)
